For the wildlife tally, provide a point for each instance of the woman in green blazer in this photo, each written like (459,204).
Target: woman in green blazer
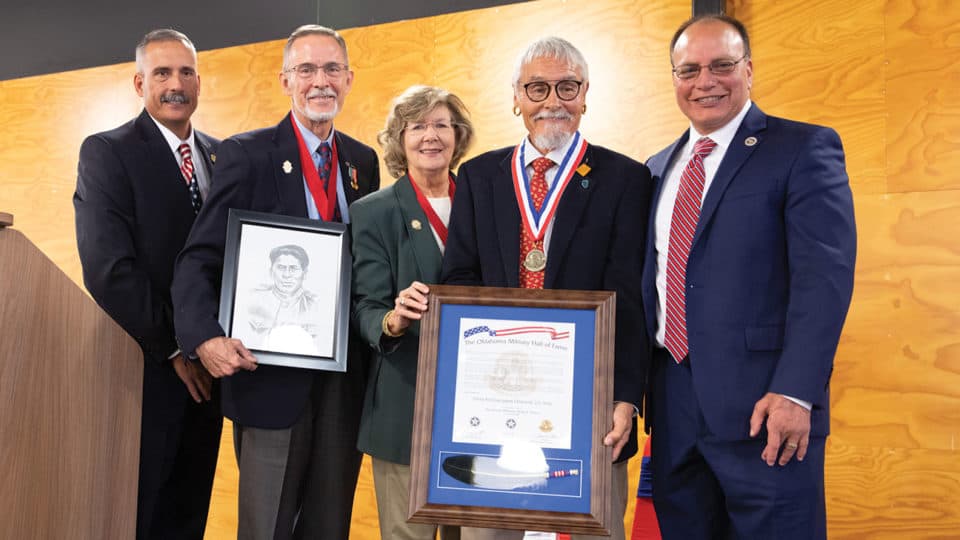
(398,239)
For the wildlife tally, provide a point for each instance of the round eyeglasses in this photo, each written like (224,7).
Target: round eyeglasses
(567,90)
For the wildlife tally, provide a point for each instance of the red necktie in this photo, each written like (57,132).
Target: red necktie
(538,192)
(686,213)
(186,167)
(324,169)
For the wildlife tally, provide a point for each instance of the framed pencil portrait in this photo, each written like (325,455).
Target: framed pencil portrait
(285,291)
(513,399)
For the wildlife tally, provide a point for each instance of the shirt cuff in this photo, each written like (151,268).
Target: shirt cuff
(173,355)
(805,404)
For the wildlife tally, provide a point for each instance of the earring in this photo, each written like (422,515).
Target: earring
(516,110)
(584,110)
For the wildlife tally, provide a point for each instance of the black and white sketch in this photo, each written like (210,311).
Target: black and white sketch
(285,290)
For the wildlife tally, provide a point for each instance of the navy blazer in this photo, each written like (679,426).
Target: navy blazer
(597,243)
(770,271)
(258,170)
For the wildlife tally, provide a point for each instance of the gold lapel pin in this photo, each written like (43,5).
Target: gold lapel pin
(287,167)
(583,169)
(416,224)
(213,158)
(750,141)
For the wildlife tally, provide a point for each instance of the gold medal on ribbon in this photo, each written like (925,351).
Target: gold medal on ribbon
(535,261)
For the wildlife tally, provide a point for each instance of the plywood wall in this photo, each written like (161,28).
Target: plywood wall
(884,74)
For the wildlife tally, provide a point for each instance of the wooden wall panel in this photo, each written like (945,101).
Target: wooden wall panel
(924,83)
(882,72)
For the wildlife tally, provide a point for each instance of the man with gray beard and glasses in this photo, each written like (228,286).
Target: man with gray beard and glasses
(295,430)
(555,212)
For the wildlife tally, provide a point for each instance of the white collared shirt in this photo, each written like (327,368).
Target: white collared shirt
(668,197)
(313,143)
(530,153)
(199,164)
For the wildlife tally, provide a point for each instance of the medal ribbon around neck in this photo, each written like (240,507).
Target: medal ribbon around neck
(535,222)
(427,208)
(325,202)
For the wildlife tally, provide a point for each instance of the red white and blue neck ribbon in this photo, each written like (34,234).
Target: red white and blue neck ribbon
(536,222)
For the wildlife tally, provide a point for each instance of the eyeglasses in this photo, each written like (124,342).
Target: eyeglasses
(420,128)
(717,67)
(332,70)
(567,90)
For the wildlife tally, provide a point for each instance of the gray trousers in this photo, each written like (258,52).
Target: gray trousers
(299,482)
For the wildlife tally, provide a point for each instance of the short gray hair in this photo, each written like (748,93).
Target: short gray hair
(314,30)
(551,47)
(161,34)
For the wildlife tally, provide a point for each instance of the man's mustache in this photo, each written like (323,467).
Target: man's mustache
(321,92)
(174,97)
(553,115)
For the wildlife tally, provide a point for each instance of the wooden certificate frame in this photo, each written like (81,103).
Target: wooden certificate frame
(504,373)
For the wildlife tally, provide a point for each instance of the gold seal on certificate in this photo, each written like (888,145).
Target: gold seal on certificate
(535,261)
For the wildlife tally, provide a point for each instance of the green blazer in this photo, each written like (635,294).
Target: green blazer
(393,245)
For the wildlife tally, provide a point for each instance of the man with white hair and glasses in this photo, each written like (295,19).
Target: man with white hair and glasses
(555,212)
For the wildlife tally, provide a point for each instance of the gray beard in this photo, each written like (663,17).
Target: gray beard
(322,117)
(551,141)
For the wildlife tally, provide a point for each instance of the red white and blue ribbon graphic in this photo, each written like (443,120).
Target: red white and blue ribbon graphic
(536,221)
(518,330)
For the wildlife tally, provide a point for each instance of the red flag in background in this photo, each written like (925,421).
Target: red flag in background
(645,526)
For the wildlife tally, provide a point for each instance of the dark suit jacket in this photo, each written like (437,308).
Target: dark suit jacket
(597,244)
(389,254)
(770,272)
(251,175)
(133,214)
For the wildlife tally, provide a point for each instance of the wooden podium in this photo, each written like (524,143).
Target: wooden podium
(70,393)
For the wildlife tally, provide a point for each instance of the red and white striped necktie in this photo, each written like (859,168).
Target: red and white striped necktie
(683,223)
(186,167)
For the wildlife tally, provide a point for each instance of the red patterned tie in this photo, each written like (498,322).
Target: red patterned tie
(538,192)
(686,213)
(186,167)
(325,169)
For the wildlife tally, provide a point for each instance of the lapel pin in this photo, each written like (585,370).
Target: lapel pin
(583,169)
(416,224)
(750,141)
(213,158)
(585,183)
(287,167)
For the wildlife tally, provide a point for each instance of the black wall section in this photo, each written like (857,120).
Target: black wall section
(48,36)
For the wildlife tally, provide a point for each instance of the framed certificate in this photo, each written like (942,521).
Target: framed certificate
(514,395)
(286,289)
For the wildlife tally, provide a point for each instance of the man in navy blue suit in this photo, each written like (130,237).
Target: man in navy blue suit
(582,228)
(138,189)
(747,281)
(295,430)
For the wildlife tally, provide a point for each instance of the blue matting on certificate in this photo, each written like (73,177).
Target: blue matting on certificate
(466,473)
